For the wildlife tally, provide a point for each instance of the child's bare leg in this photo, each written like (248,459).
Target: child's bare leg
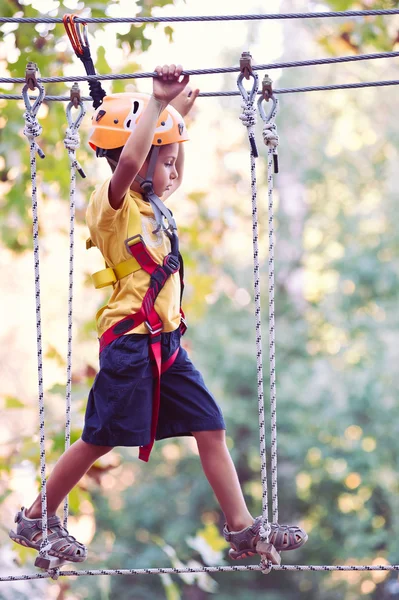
(68,471)
(222,476)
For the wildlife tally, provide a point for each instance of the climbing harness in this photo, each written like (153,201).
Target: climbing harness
(159,274)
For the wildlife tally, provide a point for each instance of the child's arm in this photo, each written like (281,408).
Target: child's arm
(165,88)
(182,103)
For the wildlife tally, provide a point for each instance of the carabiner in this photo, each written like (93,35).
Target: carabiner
(73,31)
(81,30)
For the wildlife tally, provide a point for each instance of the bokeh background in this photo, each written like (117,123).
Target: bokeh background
(337,312)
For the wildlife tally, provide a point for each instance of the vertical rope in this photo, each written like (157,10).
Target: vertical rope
(270,138)
(72,143)
(32,130)
(248,118)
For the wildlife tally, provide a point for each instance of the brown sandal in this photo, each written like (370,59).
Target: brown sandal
(63,545)
(283,538)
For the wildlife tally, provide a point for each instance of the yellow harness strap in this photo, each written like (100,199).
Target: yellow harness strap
(110,275)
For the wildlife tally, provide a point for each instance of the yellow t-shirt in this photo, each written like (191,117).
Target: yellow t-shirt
(108,231)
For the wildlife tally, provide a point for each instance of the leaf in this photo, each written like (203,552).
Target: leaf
(170,587)
(169,33)
(76,496)
(11,402)
(211,535)
(102,65)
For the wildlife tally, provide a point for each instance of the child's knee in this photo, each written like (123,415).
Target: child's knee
(94,449)
(217,436)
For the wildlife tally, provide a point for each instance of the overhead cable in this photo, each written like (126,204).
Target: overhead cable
(268,67)
(200,18)
(316,88)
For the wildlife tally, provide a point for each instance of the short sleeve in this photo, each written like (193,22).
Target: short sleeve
(100,216)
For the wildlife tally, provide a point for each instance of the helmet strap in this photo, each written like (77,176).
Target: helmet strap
(153,154)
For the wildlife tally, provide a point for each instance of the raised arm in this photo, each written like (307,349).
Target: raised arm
(165,88)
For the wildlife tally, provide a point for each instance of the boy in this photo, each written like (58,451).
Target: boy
(147,388)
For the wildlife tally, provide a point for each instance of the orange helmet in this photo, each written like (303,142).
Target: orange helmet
(119,114)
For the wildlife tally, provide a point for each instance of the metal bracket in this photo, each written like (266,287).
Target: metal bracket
(268,552)
(267,90)
(75,95)
(246,64)
(30,75)
(49,563)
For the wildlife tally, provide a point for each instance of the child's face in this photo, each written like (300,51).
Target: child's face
(165,169)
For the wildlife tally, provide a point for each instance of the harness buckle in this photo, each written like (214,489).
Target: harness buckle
(133,238)
(151,330)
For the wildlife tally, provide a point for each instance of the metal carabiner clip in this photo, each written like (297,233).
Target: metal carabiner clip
(81,30)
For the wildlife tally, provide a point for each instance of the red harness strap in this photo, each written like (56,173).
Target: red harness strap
(148,315)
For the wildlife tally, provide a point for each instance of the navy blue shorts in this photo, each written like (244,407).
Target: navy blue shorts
(119,407)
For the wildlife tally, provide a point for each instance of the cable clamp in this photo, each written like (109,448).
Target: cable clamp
(246,64)
(75,95)
(30,75)
(267,90)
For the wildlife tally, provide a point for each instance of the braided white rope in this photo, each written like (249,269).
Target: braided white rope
(271,140)
(72,143)
(215,569)
(248,118)
(33,130)
(270,137)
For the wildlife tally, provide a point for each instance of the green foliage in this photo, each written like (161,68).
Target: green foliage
(40,44)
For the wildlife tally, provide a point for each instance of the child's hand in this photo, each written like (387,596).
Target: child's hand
(167,85)
(183,103)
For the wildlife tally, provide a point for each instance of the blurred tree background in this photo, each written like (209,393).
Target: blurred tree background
(336,315)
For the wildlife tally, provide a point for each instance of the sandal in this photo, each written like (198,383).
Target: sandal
(283,538)
(63,545)
(287,537)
